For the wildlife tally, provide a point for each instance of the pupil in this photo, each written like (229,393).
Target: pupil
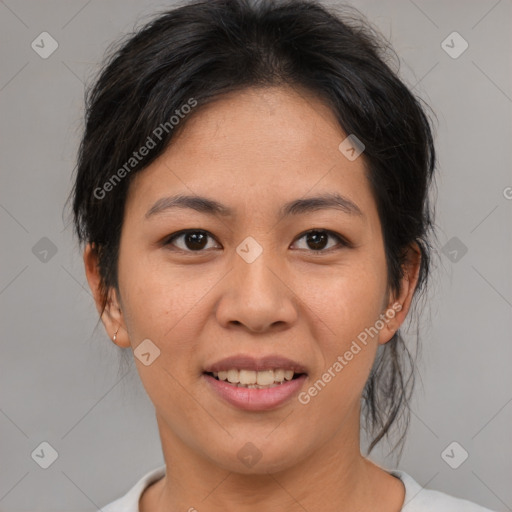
(317,240)
(195,240)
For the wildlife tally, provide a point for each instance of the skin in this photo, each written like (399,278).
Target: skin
(254,151)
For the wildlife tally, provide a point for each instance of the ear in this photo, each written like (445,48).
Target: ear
(112,315)
(399,304)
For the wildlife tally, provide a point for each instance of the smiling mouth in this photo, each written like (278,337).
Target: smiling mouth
(255,379)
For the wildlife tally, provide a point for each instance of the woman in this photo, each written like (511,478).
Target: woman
(252,196)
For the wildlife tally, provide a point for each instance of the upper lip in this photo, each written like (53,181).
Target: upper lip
(247,362)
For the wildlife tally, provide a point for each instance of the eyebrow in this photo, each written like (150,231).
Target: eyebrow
(296,207)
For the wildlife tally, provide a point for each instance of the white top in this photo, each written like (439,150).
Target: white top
(417,499)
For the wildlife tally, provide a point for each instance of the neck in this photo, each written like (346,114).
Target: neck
(335,477)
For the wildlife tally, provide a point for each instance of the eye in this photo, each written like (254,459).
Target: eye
(318,240)
(192,240)
(196,240)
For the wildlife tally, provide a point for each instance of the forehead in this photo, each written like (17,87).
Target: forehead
(263,123)
(257,146)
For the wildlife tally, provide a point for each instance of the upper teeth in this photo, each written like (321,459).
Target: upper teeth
(262,378)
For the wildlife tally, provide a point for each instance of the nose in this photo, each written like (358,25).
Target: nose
(256,296)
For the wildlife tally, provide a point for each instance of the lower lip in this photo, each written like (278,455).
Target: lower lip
(253,399)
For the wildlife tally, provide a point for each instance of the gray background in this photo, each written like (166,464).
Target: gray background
(60,377)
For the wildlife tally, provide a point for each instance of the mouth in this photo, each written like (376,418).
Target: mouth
(253,384)
(251,379)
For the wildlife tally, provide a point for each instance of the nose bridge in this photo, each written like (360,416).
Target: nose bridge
(255,280)
(254,275)
(255,295)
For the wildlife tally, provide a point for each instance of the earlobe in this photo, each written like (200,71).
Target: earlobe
(109,310)
(392,320)
(113,320)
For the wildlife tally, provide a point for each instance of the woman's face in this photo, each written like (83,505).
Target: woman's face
(248,283)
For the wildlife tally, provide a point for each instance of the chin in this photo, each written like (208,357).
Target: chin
(259,456)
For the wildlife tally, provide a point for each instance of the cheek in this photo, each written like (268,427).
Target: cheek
(347,307)
(346,300)
(160,300)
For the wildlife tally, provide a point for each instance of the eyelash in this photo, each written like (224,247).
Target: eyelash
(342,242)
